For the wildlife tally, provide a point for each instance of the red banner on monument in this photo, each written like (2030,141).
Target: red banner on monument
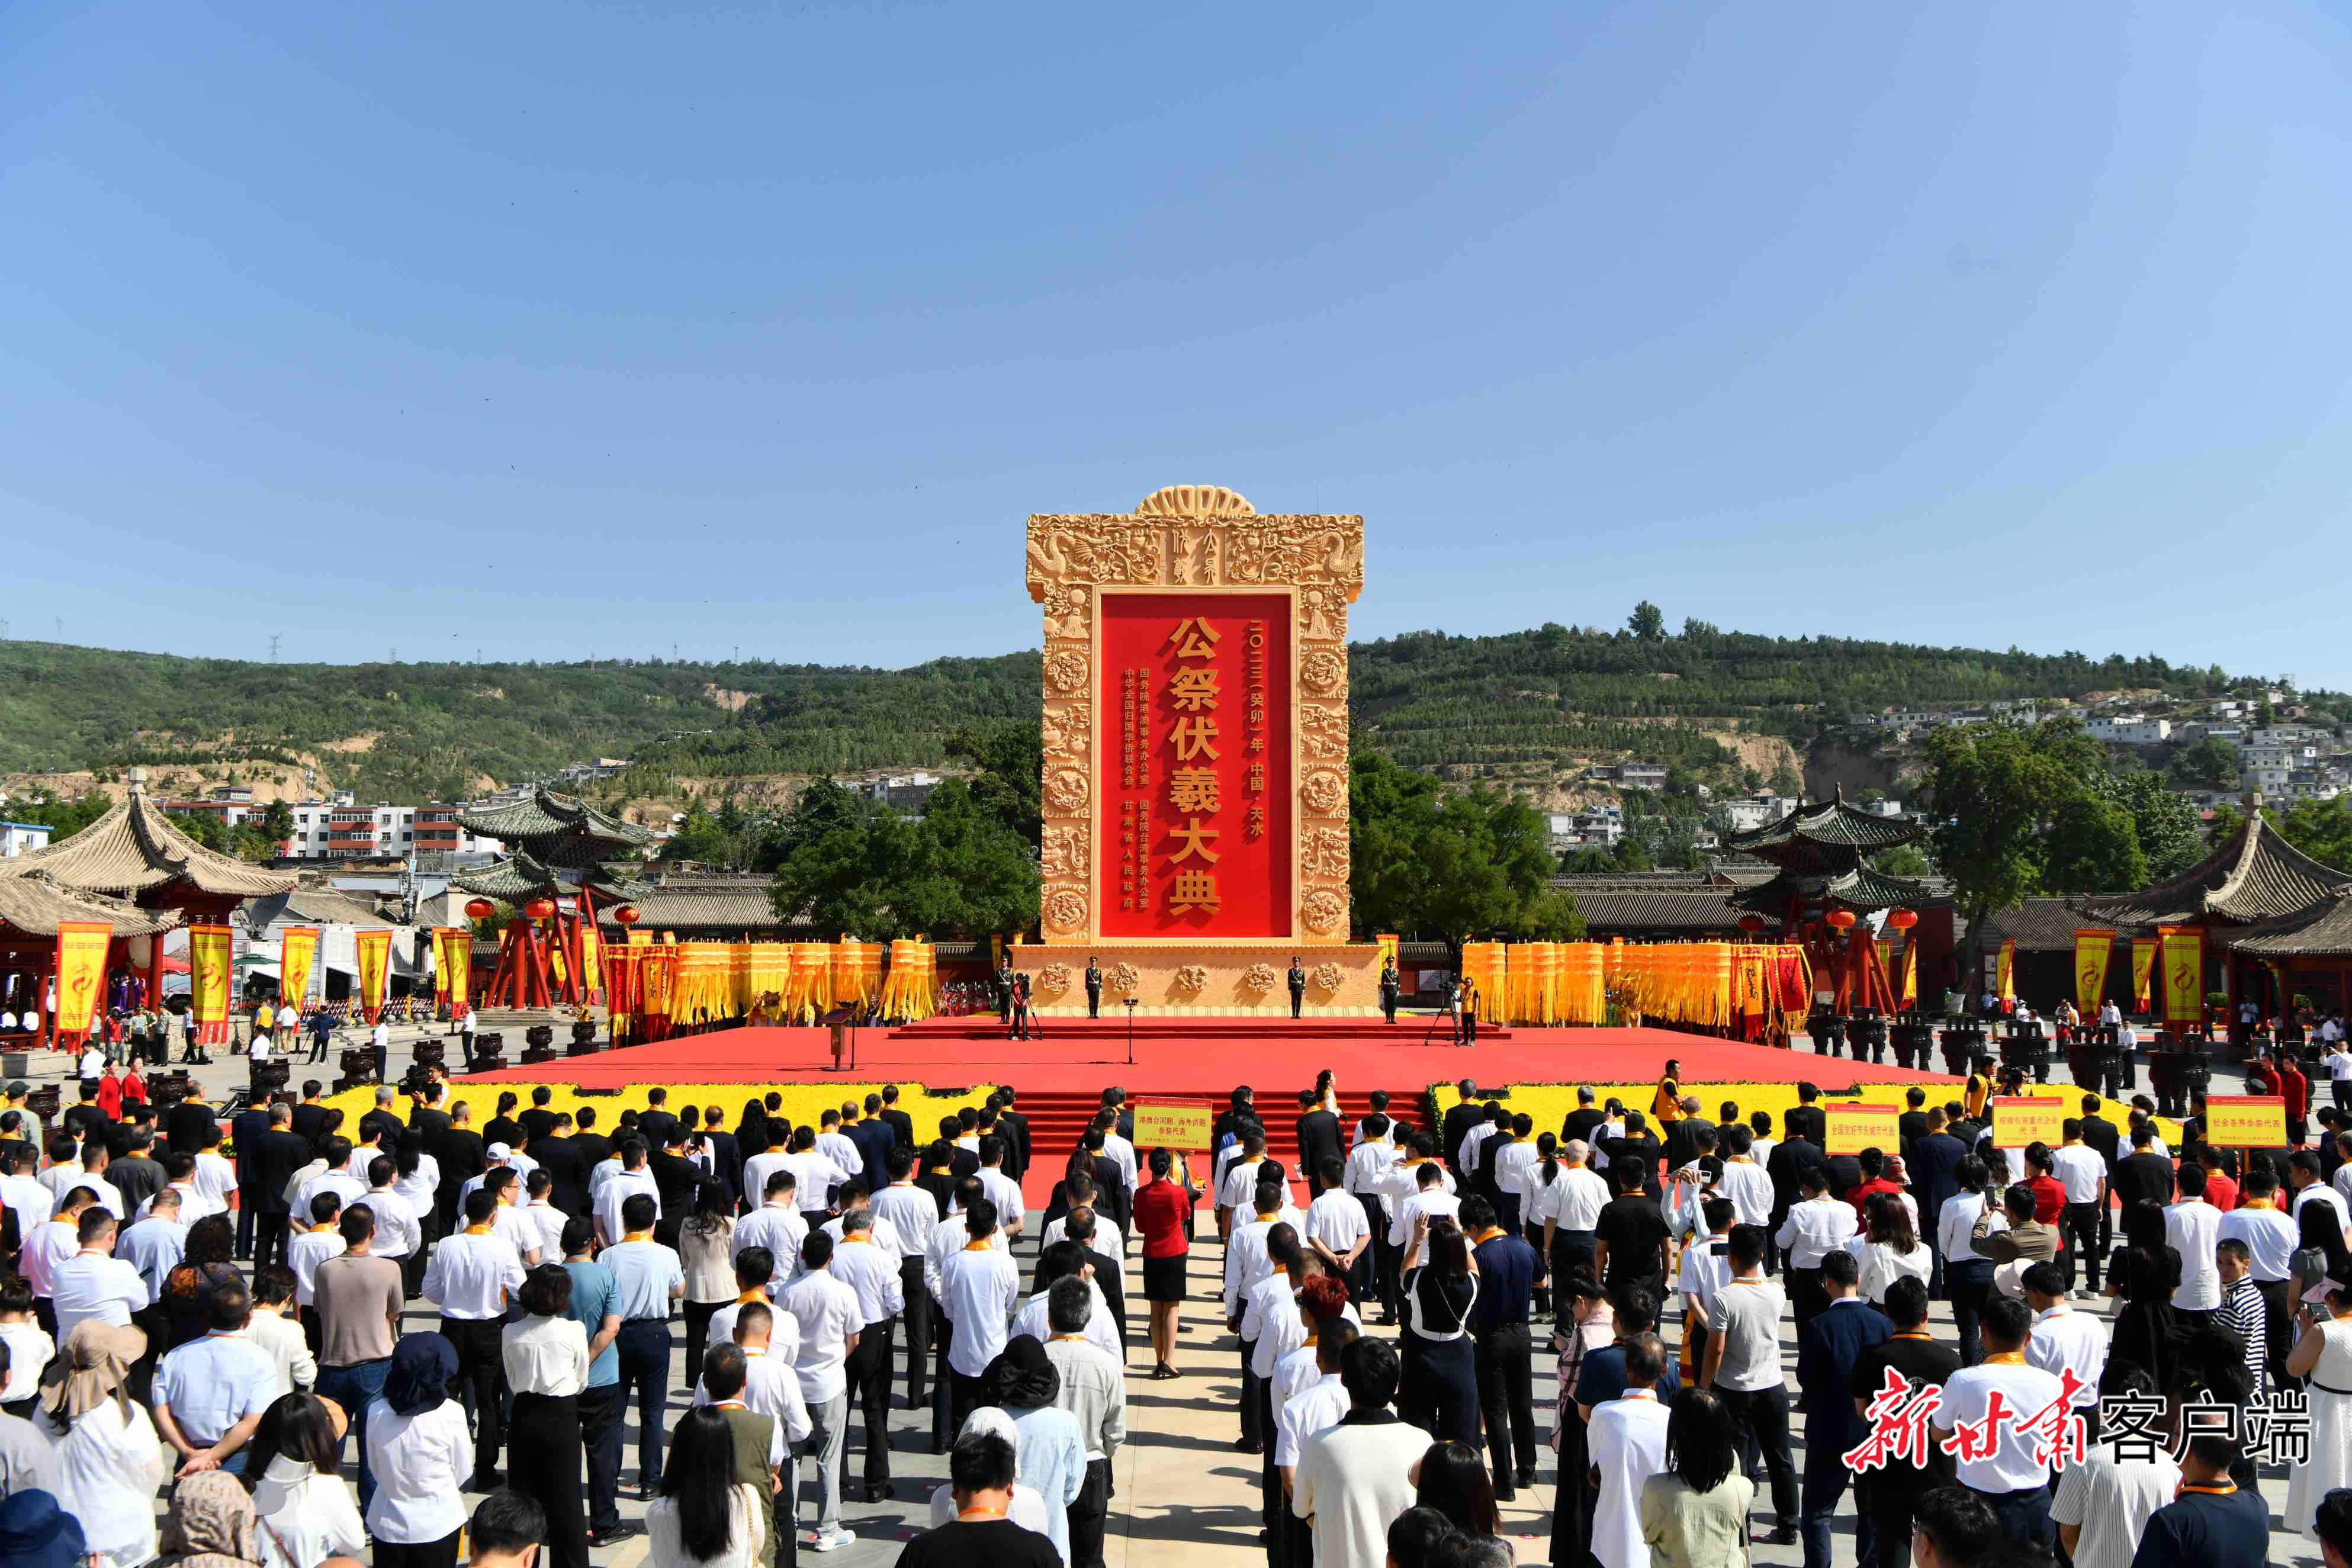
(1193,726)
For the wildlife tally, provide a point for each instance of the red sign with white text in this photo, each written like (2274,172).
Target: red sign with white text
(1194,723)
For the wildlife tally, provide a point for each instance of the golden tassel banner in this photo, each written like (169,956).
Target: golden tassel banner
(857,971)
(910,989)
(2184,977)
(2004,982)
(208,957)
(1484,965)
(297,954)
(80,975)
(1909,997)
(811,994)
(2143,971)
(2093,950)
(375,971)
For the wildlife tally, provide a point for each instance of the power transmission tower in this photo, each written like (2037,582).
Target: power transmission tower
(3,630)
(273,648)
(61,629)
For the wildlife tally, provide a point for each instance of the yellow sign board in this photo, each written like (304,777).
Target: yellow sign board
(2245,1120)
(2020,1120)
(1853,1128)
(1167,1126)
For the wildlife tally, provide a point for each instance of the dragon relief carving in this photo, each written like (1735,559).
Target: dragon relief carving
(1065,733)
(1063,853)
(1323,853)
(1192,979)
(1323,731)
(1326,977)
(1259,977)
(1122,979)
(1053,978)
(1323,671)
(1064,909)
(1065,672)
(1066,791)
(1324,911)
(1325,793)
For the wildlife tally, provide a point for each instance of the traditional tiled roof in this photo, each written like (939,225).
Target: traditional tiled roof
(135,846)
(2044,925)
(1861,888)
(1829,825)
(706,903)
(32,904)
(2255,875)
(545,815)
(1608,910)
(518,876)
(2323,931)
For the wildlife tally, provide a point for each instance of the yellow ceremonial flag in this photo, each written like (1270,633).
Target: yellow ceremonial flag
(209,960)
(2005,972)
(458,966)
(1909,997)
(81,971)
(2093,949)
(440,968)
(2184,976)
(375,971)
(591,961)
(2143,968)
(298,955)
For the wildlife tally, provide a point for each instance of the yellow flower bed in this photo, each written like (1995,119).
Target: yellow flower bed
(1547,1104)
(802,1102)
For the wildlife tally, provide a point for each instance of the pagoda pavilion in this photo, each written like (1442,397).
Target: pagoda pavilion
(1824,885)
(134,869)
(563,856)
(2271,918)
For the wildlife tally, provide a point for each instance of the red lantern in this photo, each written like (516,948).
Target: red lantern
(1842,919)
(1751,923)
(540,909)
(1901,920)
(627,914)
(480,908)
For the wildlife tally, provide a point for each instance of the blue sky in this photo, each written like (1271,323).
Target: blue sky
(546,330)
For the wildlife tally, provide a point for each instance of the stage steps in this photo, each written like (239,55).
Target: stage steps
(1112,1032)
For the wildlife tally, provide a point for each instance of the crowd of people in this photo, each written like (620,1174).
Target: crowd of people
(224,1318)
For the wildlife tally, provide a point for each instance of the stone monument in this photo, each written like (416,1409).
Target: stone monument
(1196,758)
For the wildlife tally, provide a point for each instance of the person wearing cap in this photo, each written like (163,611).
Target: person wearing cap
(36,1532)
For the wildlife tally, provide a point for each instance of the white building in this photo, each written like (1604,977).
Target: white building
(340,828)
(2131,729)
(22,839)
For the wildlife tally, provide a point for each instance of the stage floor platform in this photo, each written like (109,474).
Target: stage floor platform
(1202,1058)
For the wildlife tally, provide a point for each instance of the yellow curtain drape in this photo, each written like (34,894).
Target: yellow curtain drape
(910,988)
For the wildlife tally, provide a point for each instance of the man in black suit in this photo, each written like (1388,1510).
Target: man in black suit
(675,1177)
(900,1123)
(1934,1167)
(310,1117)
(595,1147)
(1640,1148)
(1082,1227)
(2142,1176)
(461,1158)
(1241,1107)
(426,1118)
(277,1153)
(1912,1125)
(245,1132)
(1015,1127)
(1683,1137)
(380,1117)
(654,1122)
(1455,1125)
(1114,1099)
(2104,1138)
(1790,1158)
(1319,1139)
(559,1155)
(1581,1122)
(727,1151)
(874,1141)
(538,1120)
(1806,1119)
(185,1124)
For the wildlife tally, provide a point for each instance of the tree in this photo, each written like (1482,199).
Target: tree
(700,838)
(1010,780)
(1903,860)
(1647,622)
(2008,805)
(846,862)
(2169,834)
(2209,763)
(2320,828)
(1449,865)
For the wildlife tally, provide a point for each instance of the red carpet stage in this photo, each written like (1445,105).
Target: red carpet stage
(1060,1076)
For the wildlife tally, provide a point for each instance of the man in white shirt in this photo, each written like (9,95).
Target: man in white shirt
(1352,1480)
(764,1164)
(1001,1190)
(308,1250)
(1814,1228)
(2010,1479)
(2065,1340)
(541,1211)
(2338,1063)
(2079,1170)
(1568,1207)
(470,1277)
(632,1179)
(380,1041)
(399,1234)
(826,1310)
(94,1283)
(2194,1227)
(777,1223)
(1429,1198)
(2270,1240)
(1744,1180)
(154,1245)
(1337,1230)
(210,1393)
(872,1274)
(1238,1186)
(509,1223)
(1627,1441)
(815,1172)
(978,1287)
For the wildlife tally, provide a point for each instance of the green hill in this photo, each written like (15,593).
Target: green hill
(420,730)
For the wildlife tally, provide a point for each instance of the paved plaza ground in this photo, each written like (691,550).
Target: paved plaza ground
(1183,1493)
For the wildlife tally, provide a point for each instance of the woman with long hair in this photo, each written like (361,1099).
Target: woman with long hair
(1695,1512)
(546,1357)
(2322,1358)
(2143,1276)
(2320,1257)
(416,1177)
(109,1460)
(1164,1208)
(704,1518)
(1452,1479)
(307,1512)
(1326,1091)
(1439,1389)
(1889,1248)
(208,1260)
(422,1454)
(706,1248)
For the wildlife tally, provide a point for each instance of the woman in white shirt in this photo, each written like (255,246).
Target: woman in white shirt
(307,1512)
(422,1454)
(417,1177)
(1888,1247)
(109,1460)
(705,1518)
(546,1355)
